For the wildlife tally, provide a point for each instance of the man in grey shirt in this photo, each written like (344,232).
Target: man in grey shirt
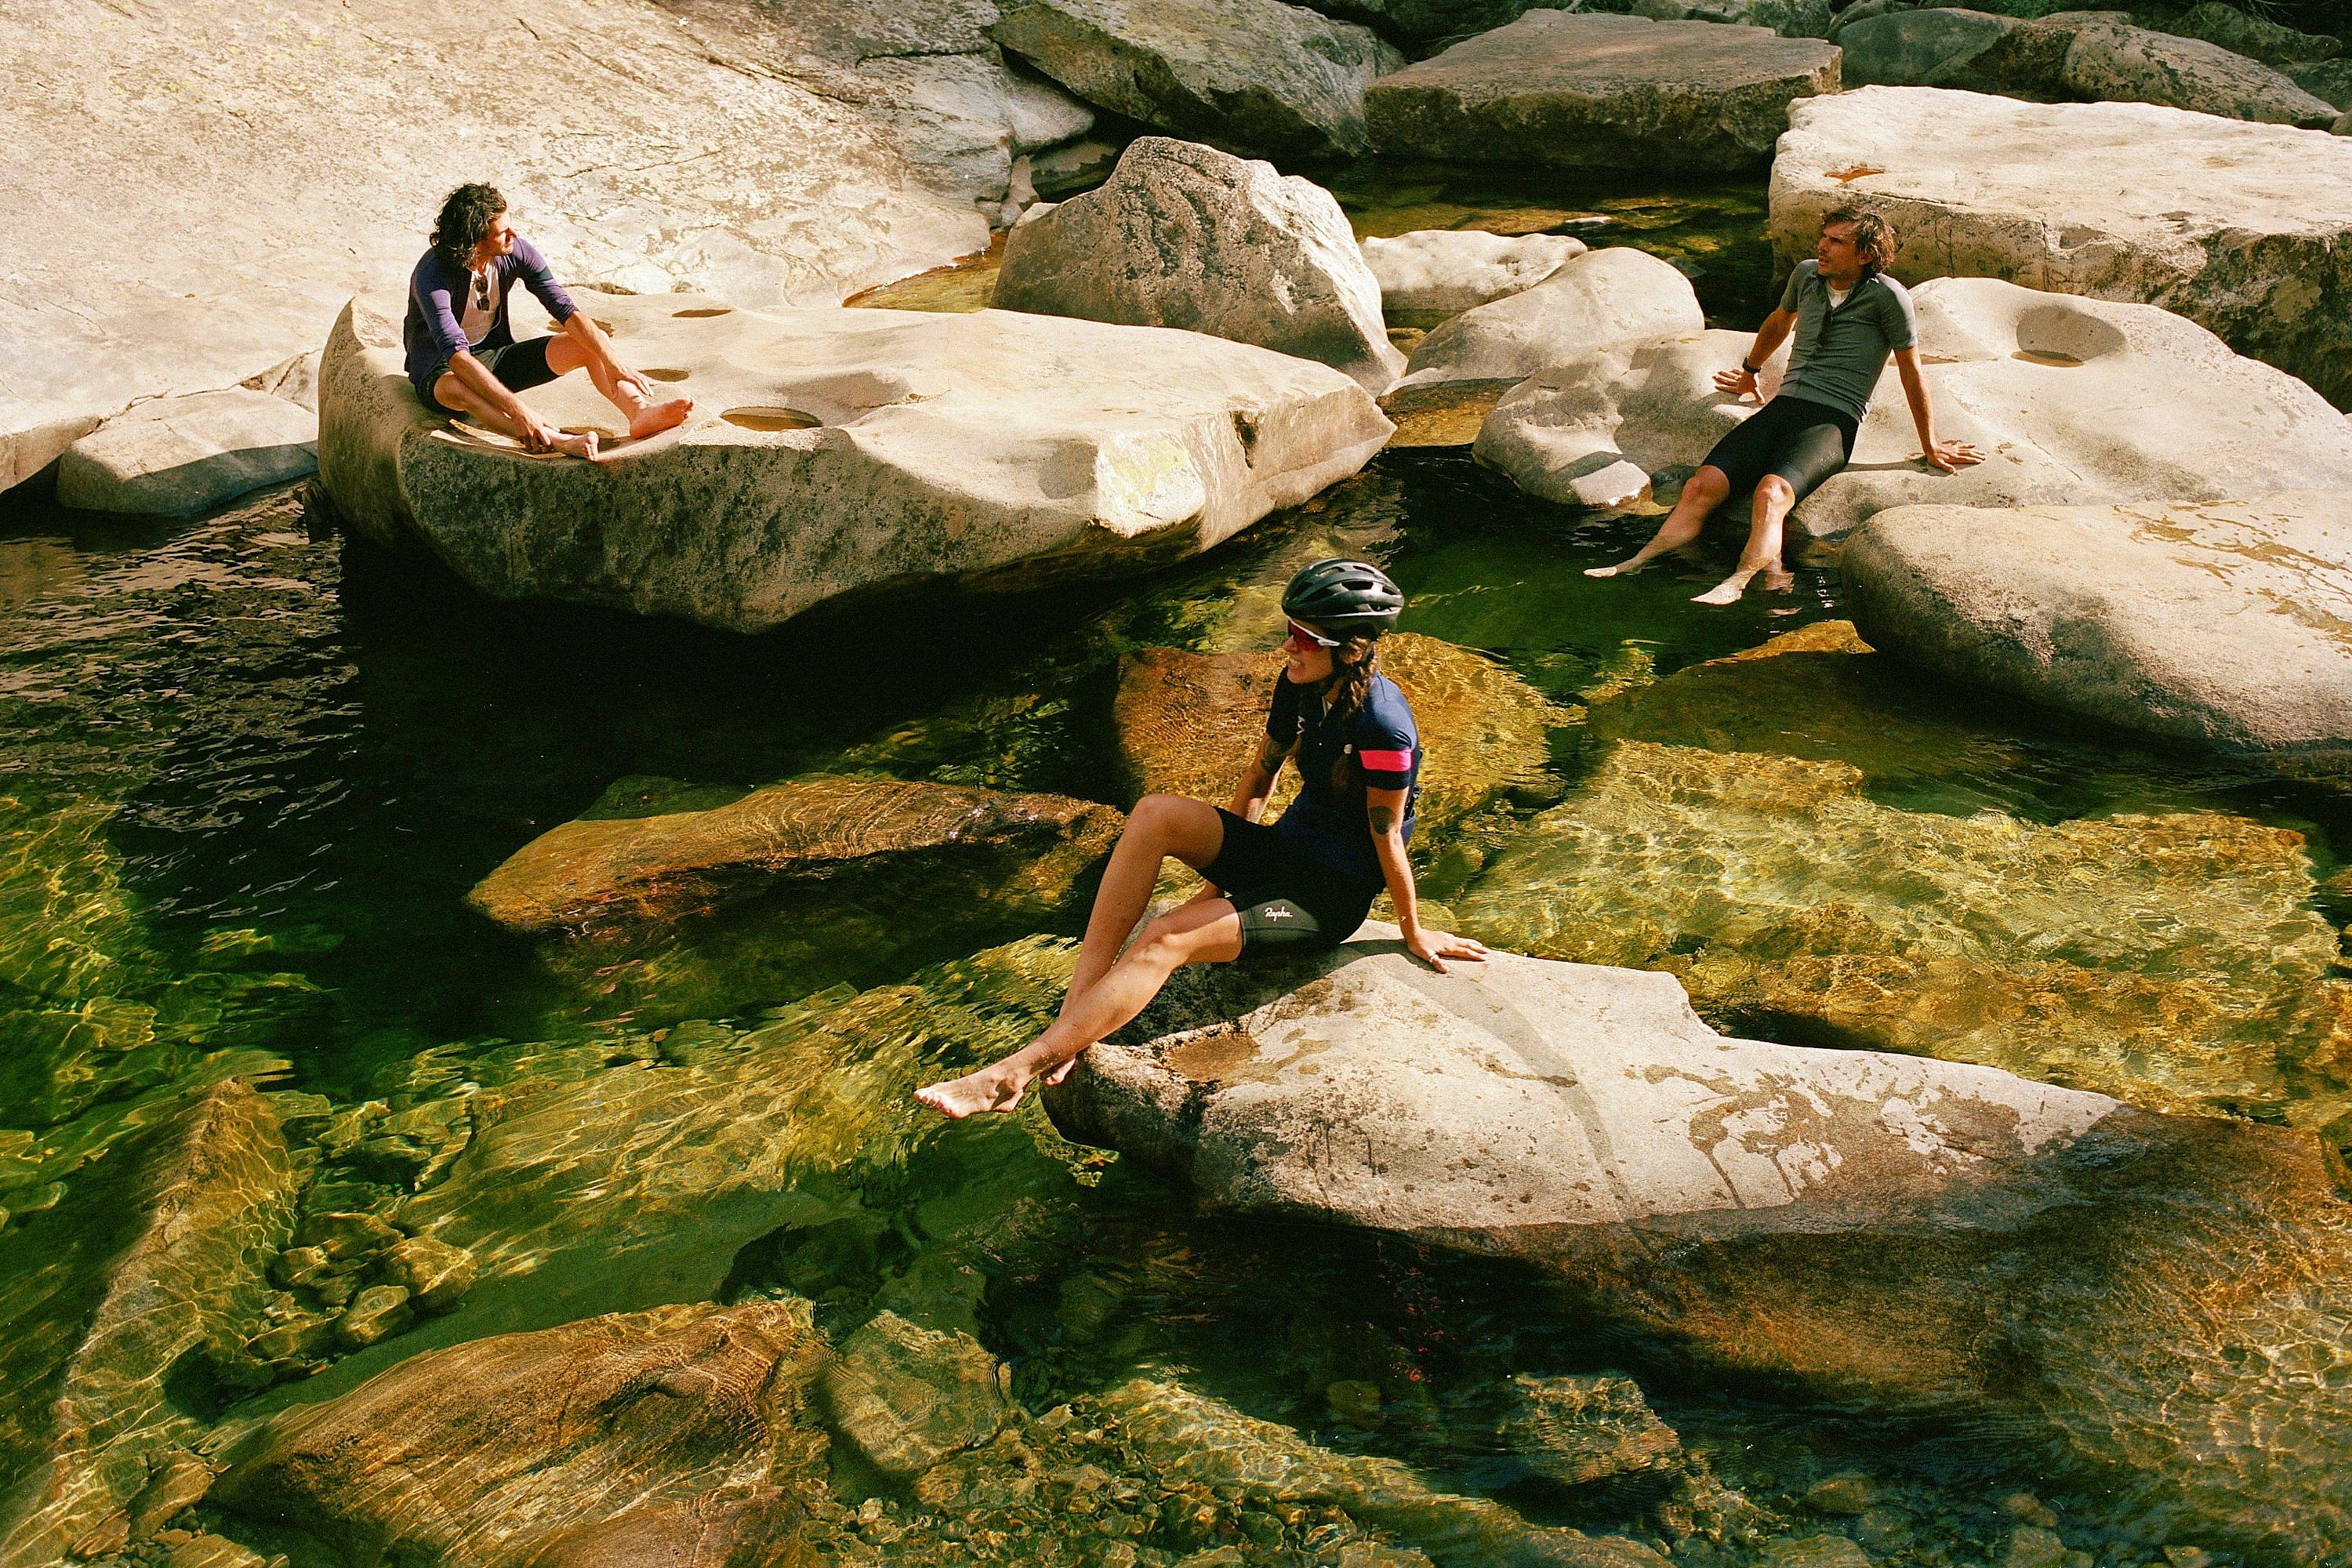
(1848,316)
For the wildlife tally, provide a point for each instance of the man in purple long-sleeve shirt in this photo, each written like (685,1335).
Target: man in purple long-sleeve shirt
(462,354)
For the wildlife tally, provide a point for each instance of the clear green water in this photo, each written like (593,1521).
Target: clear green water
(249,774)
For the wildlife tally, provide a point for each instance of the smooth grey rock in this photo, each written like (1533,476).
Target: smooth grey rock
(182,455)
(1185,235)
(2071,399)
(1248,76)
(1789,18)
(2327,81)
(2218,623)
(1431,274)
(2244,228)
(1613,92)
(156,246)
(908,1396)
(866,448)
(1975,51)
(1600,297)
(2110,61)
(2257,37)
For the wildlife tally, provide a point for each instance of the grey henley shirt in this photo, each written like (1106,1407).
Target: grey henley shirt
(1838,354)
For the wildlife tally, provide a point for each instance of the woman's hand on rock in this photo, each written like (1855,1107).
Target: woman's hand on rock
(1434,947)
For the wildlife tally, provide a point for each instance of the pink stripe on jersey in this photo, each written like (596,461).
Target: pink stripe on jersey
(1385,762)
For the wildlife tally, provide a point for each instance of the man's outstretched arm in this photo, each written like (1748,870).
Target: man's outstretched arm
(1948,456)
(1769,337)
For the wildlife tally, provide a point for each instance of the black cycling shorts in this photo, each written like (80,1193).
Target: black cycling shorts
(519,367)
(1286,900)
(1802,442)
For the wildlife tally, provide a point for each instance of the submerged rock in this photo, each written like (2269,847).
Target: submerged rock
(2240,227)
(658,1437)
(1574,1430)
(1431,274)
(1853,1225)
(841,451)
(1254,77)
(178,456)
(1184,236)
(1188,723)
(2172,960)
(1599,297)
(152,1254)
(907,1397)
(1613,92)
(2221,625)
(2072,400)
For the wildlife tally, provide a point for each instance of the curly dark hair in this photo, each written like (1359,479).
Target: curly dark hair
(465,216)
(1872,236)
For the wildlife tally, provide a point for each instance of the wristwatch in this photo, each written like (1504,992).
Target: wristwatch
(1751,369)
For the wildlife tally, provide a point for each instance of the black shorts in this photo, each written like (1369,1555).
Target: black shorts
(1802,442)
(519,367)
(1286,900)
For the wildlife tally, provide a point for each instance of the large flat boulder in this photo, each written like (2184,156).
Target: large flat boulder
(1431,274)
(155,1253)
(838,451)
(1254,77)
(2074,400)
(1599,297)
(182,455)
(157,247)
(2087,55)
(1184,236)
(1611,92)
(1911,1232)
(2242,227)
(668,1437)
(2217,624)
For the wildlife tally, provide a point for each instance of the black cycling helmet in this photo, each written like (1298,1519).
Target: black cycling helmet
(1351,598)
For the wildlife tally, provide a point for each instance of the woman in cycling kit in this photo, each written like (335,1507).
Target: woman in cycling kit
(1303,884)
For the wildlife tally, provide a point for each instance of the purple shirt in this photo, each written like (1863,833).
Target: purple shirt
(436,306)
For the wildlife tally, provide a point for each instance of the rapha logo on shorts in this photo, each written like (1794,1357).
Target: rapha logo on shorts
(1279,911)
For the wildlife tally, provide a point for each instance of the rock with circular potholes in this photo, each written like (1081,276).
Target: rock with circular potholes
(2221,625)
(182,455)
(906,1396)
(1250,76)
(2091,55)
(1185,235)
(1613,91)
(2243,229)
(838,451)
(1599,297)
(1859,1226)
(2071,400)
(1431,274)
(667,1430)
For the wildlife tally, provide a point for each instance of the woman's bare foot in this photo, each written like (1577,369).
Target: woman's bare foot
(995,1087)
(1727,592)
(657,417)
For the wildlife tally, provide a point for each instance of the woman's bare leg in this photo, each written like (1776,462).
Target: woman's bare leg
(1773,499)
(1205,931)
(453,393)
(1160,825)
(622,388)
(1702,493)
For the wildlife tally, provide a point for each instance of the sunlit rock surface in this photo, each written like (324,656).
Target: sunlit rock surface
(1611,92)
(156,1254)
(1574,1430)
(2239,227)
(1190,723)
(1852,1224)
(1431,274)
(1185,235)
(2224,625)
(797,884)
(838,451)
(158,247)
(907,1397)
(1599,297)
(179,456)
(1255,76)
(2174,960)
(674,1435)
(2074,401)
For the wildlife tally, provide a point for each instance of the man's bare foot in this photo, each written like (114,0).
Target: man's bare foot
(1622,569)
(989,1088)
(657,417)
(583,444)
(1727,592)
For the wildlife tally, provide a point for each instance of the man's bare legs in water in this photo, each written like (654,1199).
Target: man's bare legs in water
(1762,554)
(1107,988)
(1702,493)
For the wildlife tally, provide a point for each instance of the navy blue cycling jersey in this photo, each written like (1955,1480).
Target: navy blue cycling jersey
(1379,749)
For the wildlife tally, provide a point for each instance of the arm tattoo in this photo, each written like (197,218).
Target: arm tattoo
(1383,819)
